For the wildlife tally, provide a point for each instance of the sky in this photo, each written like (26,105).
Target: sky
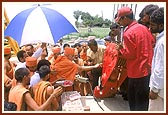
(67,8)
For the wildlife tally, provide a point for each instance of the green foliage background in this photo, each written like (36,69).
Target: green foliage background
(84,32)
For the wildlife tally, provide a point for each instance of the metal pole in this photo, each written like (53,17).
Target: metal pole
(113,12)
(121,34)
(135,9)
(117,6)
(131,6)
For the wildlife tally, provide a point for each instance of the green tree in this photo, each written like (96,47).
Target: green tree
(98,21)
(107,23)
(76,15)
(90,21)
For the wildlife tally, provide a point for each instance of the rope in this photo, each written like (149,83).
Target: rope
(95,97)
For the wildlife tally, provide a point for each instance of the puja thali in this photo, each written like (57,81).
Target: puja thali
(64,83)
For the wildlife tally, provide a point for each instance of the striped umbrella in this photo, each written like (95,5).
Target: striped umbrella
(39,24)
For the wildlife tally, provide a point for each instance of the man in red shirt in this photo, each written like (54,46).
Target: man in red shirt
(137,50)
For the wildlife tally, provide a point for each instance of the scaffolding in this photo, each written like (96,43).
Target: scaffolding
(118,6)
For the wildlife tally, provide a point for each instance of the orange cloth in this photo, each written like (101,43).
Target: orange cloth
(65,68)
(56,49)
(40,93)
(6,80)
(113,75)
(16,96)
(7,50)
(69,51)
(109,62)
(31,61)
(10,73)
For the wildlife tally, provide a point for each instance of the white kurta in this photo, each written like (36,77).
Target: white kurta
(157,75)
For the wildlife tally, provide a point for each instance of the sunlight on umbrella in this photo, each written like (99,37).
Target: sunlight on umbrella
(39,24)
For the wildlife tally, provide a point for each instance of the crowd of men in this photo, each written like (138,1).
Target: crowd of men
(31,83)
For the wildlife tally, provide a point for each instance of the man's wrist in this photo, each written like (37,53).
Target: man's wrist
(155,90)
(53,95)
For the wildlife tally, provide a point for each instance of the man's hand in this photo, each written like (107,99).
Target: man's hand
(101,65)
(8,84)
(118,46)
(98,65)
(43,45)
(153,95)
(58,91)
